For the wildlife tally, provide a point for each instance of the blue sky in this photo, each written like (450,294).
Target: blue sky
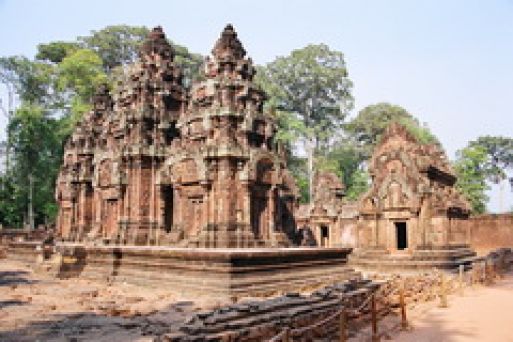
(450,63)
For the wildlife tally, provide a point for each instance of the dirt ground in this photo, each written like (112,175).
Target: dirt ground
(37,307)
(483,313)
(479,314)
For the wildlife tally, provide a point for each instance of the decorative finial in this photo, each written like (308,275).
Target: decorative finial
(156,43)
(228,46)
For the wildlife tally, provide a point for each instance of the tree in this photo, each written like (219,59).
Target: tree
(346,160)
(370,123)
(472,177)
(37,154)
(24,80)
(116,45)
(55,52)
(30,80)
(78,75)
(312,85)
(46,97)
(499,151)
(190,63)
(358,183)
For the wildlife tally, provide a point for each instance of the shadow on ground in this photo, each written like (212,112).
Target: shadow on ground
(6,303)
(87,326)
(9,278)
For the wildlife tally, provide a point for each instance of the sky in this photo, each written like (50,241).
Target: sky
(448,62)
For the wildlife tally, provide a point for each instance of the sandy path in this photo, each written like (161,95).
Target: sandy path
(482,314)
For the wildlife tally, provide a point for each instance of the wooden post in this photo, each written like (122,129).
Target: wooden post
(286,335)
(402,304)
(461,280)
(491,272)
(343,326)
(443,292)
(374,318)
(499,267)
(474,275)
(483,271)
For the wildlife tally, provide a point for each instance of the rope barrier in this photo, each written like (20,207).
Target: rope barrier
(381,294)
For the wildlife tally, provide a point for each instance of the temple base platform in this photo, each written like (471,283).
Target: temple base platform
(379,259)
(212,272)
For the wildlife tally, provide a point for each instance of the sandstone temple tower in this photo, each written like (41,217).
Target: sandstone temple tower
(412,215)
(157,165)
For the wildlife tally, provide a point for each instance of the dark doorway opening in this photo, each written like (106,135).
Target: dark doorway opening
(401,235)
(168,207)
(325,236)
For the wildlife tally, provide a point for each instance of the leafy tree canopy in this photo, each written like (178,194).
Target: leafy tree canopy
(30,80)
(311,91)
(313,85)
(370,123)
(37,154)
(472,177)
(499,152)
(53,92)
(116,45)
(55,52)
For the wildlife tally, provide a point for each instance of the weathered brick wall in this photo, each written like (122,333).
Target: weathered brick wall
(489,232)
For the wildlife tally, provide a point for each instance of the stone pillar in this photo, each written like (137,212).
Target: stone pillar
(205,205)
(245,195)
(271,206)
(374,237)
(448,231)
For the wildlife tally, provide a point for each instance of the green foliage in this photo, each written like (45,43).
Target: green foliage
(190,63)
(116,45)
(55,52)
(30,80)
(119,45)
(312,93)
(55,90)
(349,161)
(312,84)
(77,77)
(472,177)
(37,154)
(12,204)
(299,170)
(370,123)
(357,184)
(80,73)
(499,151)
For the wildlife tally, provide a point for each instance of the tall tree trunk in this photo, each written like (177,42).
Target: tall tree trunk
(310,152)
(30,203)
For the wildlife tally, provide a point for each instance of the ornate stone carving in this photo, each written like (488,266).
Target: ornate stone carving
(174,168)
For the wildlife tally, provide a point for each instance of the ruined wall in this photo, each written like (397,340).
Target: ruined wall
(489,232)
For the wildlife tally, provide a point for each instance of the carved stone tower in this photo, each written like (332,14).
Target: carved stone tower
(225,185)
(155,165)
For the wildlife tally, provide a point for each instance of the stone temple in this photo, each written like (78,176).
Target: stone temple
(330,220)
(157,165)
(186,189)
(412,215)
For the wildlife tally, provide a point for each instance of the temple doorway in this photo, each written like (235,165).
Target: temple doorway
(401,235)
(325,236)
(167,194)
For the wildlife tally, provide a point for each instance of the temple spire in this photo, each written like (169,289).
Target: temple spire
(228,46)
(157,43)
